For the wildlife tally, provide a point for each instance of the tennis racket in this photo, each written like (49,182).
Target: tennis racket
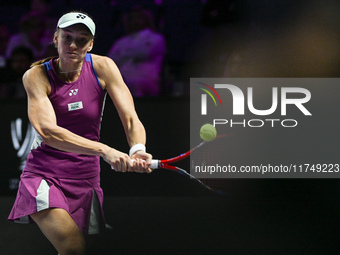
(168,164)
(165,163)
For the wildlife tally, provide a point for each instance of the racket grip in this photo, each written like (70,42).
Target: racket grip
(155,163)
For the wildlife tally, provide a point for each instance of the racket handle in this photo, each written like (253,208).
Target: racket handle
(154,163)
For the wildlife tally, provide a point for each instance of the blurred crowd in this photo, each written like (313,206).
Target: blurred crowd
(158,48)
(33,41)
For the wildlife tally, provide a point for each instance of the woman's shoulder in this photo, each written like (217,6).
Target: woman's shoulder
(35,72)
(105,68)
(99,59)
(34,76)
(102,63)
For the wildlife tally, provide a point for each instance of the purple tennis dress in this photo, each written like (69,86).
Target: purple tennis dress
(58,179)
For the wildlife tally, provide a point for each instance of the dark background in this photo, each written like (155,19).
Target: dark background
(165,213)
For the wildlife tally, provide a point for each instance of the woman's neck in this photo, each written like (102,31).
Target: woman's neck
(70,73)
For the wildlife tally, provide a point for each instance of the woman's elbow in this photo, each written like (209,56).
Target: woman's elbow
(48,135)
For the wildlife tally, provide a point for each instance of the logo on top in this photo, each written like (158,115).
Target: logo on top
(73,92)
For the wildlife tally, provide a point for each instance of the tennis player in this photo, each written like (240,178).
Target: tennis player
(60,184)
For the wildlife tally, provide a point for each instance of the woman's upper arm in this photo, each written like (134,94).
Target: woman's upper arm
(40,110)
(114,84)
(112,81)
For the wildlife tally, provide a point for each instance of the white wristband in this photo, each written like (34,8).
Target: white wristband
(137,147)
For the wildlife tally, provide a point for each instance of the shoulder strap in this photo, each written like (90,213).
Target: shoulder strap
(48,67)
(88,58)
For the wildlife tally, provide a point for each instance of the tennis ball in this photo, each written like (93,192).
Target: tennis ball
(208,132)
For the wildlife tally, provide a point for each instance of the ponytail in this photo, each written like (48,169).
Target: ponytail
(39,62)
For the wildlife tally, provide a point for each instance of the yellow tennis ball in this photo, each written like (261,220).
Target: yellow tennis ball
(208,132)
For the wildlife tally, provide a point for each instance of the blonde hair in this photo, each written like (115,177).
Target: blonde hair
(39,62)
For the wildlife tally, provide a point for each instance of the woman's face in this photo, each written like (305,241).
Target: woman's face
(73,42)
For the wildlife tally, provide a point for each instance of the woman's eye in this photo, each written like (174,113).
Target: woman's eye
(82,41)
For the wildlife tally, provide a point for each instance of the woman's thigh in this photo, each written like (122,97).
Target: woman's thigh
(60,229)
